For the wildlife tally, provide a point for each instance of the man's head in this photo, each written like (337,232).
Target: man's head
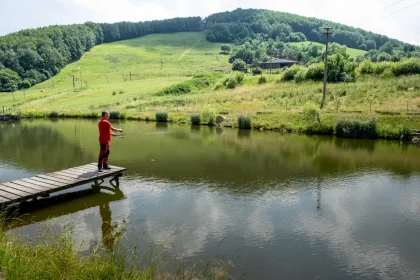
(105,115)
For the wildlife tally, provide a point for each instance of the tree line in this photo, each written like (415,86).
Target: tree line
(241,25)
(31,56)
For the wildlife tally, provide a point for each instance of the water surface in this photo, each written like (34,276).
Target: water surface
(281,206)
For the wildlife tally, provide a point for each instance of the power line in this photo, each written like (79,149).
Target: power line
(392,4)
(403,9)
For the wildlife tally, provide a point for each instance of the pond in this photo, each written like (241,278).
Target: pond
(280,206)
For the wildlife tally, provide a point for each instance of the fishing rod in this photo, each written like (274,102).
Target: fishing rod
(148,133)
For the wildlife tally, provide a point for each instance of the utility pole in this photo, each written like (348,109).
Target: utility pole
(327,32)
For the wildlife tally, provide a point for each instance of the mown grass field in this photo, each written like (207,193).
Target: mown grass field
(155,62)
(395,102)
(354,53)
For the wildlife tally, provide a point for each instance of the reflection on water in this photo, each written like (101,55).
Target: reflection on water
(291,206)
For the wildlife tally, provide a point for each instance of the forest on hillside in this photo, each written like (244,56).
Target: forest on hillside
(31,56)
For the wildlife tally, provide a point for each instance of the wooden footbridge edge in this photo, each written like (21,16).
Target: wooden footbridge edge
(17,191)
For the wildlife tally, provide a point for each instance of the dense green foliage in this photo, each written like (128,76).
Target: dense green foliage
(9,80)
(195,119)
(37,54)
(244,122)
(161,116)
(354,128)
(239,24)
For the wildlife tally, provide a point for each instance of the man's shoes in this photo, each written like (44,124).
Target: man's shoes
(100,168)
(106,167)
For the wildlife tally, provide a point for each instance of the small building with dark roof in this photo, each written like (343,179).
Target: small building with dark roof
(278,63)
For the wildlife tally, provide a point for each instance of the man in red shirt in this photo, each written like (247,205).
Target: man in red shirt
(105,134)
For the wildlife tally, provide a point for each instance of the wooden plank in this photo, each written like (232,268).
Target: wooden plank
(9,196)
(39,183)
(45,181)
(66,177)
(25,184)
(74,172)
(19,187)
(82,174)
(14,191)
(55,179)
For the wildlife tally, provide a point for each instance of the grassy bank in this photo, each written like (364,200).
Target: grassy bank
(55,257)
(175,73)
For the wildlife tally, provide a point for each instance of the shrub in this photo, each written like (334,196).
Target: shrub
(300,76)
(195,119)
(238,65)
(312,112)
(364,129)
(53,114)
(380,67)
(161,116)
(231,83)
(257,71)
(290,73)
(208,118)
(121,91)
(366,67)
(114,115)
(262,80)
(239,77)
(244,122)
(406,67)
(9,80)
(315,72)
(25,84)
(226,48)
(114,93)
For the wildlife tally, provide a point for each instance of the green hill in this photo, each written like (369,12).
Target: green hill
(154,61)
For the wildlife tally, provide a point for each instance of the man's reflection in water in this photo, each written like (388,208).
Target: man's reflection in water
(108,237)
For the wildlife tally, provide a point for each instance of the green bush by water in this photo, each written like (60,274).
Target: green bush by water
(244,122)
(161,116)
(355,128)
(54,115)
(115,115)
(195,119)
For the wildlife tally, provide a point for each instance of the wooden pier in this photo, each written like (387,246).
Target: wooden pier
(33,188)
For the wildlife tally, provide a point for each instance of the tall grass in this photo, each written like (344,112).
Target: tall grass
(355,128)
(53,256)
(244,122)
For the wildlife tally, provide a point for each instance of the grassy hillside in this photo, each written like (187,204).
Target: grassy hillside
(105,71)
(354,53)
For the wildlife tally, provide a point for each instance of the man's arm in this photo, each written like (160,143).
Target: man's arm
(116,130)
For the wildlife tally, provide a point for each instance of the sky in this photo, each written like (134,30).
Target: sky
(394,18)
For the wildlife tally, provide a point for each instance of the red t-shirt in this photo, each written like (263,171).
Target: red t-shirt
(104,131)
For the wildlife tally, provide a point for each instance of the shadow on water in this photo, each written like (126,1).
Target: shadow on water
(195,128)
(161,126)
(244,134)
(66,204)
